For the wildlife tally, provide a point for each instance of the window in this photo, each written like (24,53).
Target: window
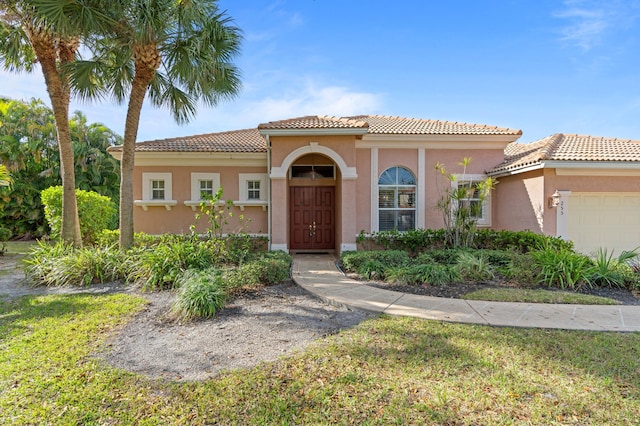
(206,188)
(396,200)
(481,211)
(253,187)
(156,186)
(253,190)
(157,189)
(203,185)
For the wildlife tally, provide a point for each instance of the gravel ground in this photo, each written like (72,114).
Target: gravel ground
(259,326)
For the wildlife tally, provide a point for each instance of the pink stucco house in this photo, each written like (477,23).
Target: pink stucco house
(313,183)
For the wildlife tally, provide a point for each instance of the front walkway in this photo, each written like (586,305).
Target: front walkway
(319,275)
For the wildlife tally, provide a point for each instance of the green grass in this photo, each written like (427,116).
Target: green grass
(385,371)
(537,296)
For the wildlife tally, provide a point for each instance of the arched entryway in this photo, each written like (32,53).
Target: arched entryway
(312,203)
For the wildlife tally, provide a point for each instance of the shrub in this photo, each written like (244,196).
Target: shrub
(521,268)
(161,266)
(96,212)
(201,294)
(610,271)
(62,265)
(272,268)
(562,268)
(352,260)
(419,240)
(474,266)
(428,273)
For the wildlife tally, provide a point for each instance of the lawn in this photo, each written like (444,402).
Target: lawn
(385,371)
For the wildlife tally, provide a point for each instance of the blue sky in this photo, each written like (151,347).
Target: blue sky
(542,66)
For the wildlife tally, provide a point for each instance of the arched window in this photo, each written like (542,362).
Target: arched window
(396,200)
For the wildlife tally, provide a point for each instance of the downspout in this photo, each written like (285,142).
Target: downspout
(268,193)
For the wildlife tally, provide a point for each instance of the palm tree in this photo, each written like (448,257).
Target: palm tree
(26,37)
(177,52)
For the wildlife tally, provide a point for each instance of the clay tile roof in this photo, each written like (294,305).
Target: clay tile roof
(313,122)
(561,147)
(383,124)
(248,140)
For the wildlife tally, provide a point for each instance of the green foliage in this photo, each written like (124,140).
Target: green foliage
(420,240)
(96,212)
(161,266)
(28,147)
(352,260)
(461,201)
(62,265)
(424,273)
(474,266)
(610,271)
(269,269)
(563,268)
(201,294)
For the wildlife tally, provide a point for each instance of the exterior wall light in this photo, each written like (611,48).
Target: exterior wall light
(554,200)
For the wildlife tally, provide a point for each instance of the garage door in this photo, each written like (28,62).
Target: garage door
(608,220)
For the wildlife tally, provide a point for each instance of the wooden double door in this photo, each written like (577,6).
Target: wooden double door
(312,217)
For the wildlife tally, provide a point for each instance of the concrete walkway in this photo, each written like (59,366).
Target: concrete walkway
(319,275)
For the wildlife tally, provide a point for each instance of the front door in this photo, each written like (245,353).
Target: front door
(312,217)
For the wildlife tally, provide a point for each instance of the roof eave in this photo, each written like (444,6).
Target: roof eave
(314,132)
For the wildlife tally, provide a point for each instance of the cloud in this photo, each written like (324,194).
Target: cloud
(589,21)
(313,100)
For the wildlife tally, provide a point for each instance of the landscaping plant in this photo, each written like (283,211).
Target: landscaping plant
(201,293)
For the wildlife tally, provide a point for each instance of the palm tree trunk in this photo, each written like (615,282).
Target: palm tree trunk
(59,94)
(139,87)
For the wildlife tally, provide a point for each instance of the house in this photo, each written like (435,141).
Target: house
(314,183)
(581,188)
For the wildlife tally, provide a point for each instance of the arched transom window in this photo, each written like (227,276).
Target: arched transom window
(396,200)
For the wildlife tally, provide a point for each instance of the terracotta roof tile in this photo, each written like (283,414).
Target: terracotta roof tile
(561,147)
(248,140)
(313,122)
(384,124)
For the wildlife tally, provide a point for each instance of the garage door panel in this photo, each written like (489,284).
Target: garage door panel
(610,220)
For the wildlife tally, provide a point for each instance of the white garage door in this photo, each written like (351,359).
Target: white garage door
(604,219)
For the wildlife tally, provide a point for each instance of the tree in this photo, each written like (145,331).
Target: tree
(26,36)
(28,148)
(460,203)
(177,52)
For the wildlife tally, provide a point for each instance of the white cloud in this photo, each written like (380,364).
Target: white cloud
(589,21)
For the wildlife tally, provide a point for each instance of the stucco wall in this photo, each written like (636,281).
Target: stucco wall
(158,220)
(519,204)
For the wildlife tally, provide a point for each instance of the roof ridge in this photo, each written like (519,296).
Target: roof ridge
(552,145)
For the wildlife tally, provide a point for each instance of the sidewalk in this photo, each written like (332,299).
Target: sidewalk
(318,274)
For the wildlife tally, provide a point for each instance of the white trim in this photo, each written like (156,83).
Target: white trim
(374,190)
(485,221)
(562,215)
(174,158)
(280,247)
(246,203)
(146,185)
(196,177)
(195,204)
(243,191)
(598,172)
(348,247)
(348,173)
(421,190)
(145,204)
(436,141)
